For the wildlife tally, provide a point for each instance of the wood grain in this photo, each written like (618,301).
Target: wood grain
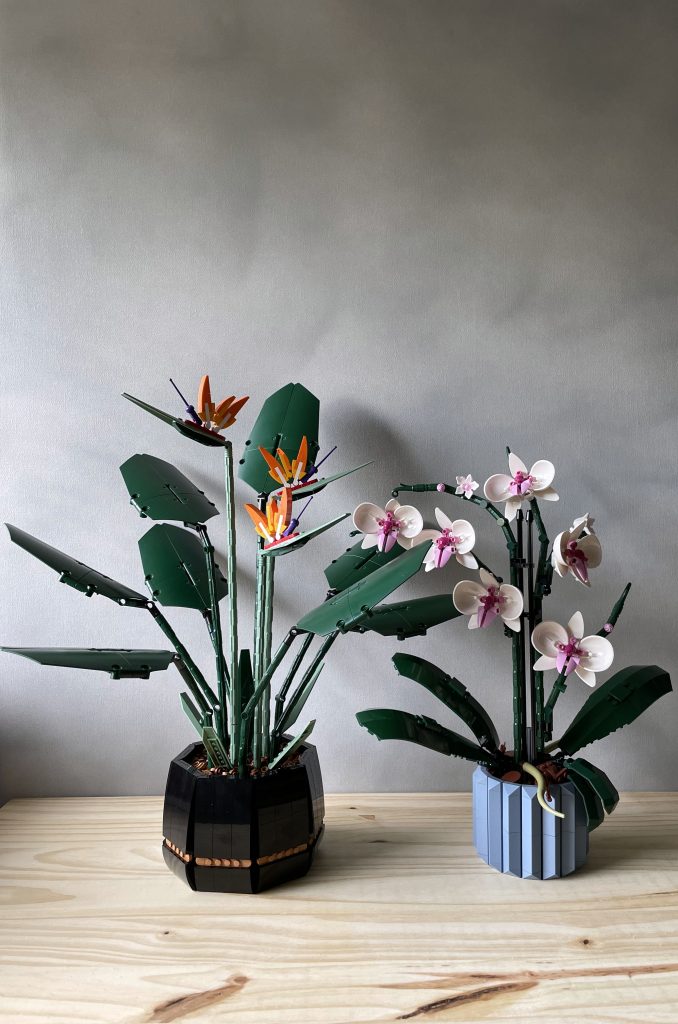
(398,920)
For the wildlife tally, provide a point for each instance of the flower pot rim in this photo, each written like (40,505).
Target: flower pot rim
(185,756)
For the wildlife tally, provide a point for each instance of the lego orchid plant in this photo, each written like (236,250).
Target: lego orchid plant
(242,729)
(537,647)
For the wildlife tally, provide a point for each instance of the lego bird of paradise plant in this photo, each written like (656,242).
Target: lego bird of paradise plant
(242,729)
(539,648)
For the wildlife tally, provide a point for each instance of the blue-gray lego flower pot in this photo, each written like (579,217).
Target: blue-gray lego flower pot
(513,834)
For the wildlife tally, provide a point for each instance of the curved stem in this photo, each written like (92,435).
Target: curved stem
(215,633)
(210,698)
(480,502)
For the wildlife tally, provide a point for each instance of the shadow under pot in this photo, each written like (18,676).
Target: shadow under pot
(513,834)
(225,834)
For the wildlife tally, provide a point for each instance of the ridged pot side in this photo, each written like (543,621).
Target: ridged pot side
(513,834)
(224,834)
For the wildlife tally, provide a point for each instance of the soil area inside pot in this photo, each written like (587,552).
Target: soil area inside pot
(200,763)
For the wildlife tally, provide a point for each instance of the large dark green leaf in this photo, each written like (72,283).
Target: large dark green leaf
(160,491)
(356,564)
(76,574)
(286,417)
(452,693)
(350,607)
(605,789)
(285,547)
(186,427)
(389,724)
(615,703)
(120,664)
(595,813)
(306,490)
(409,618)
(175,567)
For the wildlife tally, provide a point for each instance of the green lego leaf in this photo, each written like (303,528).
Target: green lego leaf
(285,547)
(119,663)
(175,568)
(292,746)
(215,749)
(191,712)
(597,778)
(76,574)
(306,490)
(296,704)
(246,677)
(595,813)
(186,427)
(348,609)
(617,702)
(389,724)
(356,564)
(452,693)
(409,618)
(286,417)
(158,490)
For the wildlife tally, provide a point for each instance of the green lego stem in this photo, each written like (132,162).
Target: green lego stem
(289,678)
(253,702)
(317,658)
(210,698)
(258,647)
(480,502)
(191,684)
(215,633)
(232,581)
(269,571)
(560,685)
(541,588)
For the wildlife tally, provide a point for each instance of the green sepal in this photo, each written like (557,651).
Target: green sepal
(617,702)
(285,547)
(119,663)
(349,608)
(593,805)
(292,746)
(286,416)
(186,427)
(356,564)
(76,574)
(158,490)
(306,490)
(389,724)
(215,748)
(191,712)
(294,708)
(174,564)
(597,778)
(452,693)
(405,619)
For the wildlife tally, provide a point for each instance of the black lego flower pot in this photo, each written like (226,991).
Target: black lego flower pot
(224,834)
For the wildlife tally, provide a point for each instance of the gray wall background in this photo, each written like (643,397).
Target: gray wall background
(454,221)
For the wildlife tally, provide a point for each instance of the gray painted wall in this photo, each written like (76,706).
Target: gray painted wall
(456,222)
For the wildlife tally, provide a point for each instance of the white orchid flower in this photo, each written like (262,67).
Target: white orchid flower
(384,526)
(466,485)
(521,485)
(577,550)
(483,602)
(567,649)
(453,538)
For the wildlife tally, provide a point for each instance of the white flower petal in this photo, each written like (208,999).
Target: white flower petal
(544,664)
(411,520)
(366,515)
(421,538)
(548,494)
(469,561)
(392,505)
(497,487)
(575,626)
(444,522)
(546,635)
(586,675)
(516,465)
(513,624)
(543,472)
(591,547)
(473,622)
(513,602)
(467,535)
(488,579)
(511,508)
(599,653)
(370,540)
(466,596)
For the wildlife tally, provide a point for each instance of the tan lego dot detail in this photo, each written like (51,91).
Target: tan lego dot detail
(214,862)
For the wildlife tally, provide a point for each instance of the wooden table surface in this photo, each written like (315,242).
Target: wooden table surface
(398,920)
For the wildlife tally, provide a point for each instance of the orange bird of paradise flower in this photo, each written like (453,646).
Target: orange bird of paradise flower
(218,416)
(272,524)
(286,472)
